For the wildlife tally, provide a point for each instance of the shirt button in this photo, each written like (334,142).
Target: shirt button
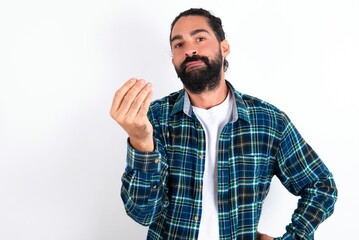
(157,160)
(196,218)
(154,186)
(200,187)
(201,156)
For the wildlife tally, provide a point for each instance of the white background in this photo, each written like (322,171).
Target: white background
(62,156)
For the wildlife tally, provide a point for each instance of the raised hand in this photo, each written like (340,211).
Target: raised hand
(129,109)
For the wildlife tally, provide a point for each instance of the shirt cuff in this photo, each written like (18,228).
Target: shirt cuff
(143,161)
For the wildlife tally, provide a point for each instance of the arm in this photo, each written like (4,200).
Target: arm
(142,189)
(303,173)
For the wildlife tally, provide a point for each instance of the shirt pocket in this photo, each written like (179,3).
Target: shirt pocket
(250,176)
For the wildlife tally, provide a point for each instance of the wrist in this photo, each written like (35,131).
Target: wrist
(143,145)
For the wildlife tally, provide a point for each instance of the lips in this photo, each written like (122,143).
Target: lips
(194,64)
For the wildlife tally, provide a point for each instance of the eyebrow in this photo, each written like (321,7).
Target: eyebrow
(194,32)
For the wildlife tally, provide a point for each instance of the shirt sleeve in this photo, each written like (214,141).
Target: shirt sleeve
(142,190)
(304,174)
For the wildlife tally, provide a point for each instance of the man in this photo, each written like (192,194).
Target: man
(200,161)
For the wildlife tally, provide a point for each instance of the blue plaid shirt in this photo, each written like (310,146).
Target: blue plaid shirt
(163,189)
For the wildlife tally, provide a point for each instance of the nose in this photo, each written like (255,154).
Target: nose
(190,52)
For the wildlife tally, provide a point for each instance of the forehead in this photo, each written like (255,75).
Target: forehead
(187,24)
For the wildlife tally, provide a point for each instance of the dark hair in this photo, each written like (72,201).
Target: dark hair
(214,22)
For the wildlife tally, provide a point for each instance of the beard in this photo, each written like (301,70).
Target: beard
(205,78)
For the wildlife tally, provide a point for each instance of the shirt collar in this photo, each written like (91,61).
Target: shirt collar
(239,111)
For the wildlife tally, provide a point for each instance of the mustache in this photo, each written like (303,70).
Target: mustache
(195,58)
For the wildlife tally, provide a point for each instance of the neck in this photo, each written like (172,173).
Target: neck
(209,99)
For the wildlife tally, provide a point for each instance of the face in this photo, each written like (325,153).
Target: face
(197,54)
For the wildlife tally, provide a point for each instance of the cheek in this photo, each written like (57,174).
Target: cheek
(176,60)
(207,50)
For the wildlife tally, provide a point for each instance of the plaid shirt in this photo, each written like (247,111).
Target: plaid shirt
(163,189)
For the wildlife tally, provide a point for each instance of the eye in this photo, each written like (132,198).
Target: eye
(200,39)
(178,45)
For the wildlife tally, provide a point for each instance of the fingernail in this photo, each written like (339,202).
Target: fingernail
(133,80)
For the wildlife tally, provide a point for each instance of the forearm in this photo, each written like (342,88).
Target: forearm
(142,195)
(142,188)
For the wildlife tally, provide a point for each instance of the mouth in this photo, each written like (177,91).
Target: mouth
(194,65)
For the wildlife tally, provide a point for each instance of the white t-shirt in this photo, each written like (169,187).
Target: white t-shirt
(213,121)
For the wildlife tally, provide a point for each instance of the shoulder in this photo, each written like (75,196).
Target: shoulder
(260,111)
(256,104)
(166,102)
(162,109)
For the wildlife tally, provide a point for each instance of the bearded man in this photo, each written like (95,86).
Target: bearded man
(200,161)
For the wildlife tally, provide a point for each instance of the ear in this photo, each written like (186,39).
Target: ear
(225,48)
